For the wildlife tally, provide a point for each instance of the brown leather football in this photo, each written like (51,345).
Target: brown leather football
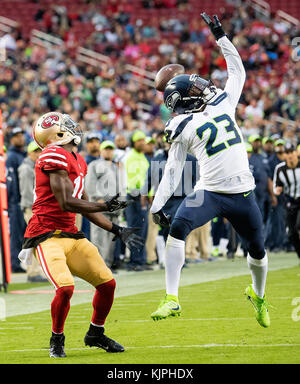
(165,74)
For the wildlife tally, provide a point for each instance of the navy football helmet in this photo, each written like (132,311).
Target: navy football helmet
(188,93)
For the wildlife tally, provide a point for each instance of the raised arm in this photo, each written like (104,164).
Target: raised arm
(235,67)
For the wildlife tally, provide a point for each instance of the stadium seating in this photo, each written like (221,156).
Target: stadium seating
(23,11)
(291,7)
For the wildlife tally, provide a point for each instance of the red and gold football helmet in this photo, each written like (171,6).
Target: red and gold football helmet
(55,128)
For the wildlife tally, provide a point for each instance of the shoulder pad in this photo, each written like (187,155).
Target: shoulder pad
(175,126)
(52,158)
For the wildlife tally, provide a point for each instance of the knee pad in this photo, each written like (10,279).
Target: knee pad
(180,229)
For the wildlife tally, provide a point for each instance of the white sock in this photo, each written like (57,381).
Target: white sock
(160,248)
(96,325)
(223,245)
(259,270)
(174,259)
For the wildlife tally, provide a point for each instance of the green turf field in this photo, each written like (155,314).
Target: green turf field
(217,324)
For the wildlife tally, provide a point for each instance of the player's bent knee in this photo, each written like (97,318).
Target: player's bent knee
(180,229)
(65,292)
(101,276)
(108,286)
(64,279)
(257,251)
(255,244)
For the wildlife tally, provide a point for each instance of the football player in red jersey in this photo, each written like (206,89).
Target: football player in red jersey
(53,238)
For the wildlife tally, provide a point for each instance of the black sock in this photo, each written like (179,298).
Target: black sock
(95,331)
(57,335)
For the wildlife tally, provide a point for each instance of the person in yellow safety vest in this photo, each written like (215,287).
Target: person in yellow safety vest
(136,165)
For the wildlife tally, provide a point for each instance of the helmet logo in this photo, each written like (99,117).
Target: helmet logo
(49,121)
(172,100)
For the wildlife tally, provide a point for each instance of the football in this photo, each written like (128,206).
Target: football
(165,74)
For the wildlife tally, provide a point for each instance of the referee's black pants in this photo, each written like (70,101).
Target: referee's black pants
(293,225)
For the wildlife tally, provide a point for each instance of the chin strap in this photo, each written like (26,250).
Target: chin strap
(77,140)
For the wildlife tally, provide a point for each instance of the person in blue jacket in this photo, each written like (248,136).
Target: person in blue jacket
(155,172)
(92,146)
(17,225)
(263,178)
(277,239)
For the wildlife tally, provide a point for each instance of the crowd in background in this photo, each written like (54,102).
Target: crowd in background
(111,105)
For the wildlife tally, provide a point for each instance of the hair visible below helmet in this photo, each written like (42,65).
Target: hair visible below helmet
(55,128)
(188,93)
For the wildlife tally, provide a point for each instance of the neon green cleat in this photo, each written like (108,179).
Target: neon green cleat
(260,306)
(168,307)
(215,252)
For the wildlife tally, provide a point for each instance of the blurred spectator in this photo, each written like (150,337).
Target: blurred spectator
(102,182)
(136,215)
(8,41)
(276,239)
(120,153)
(219,236)
(198,247)
(17,225)
(121,144)
(268,146)
(27,183)
(287,181)
(154,175)
(263,179)
(149,148)
(92,147)
(152,235)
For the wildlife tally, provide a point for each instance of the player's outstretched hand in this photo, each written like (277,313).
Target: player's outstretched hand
(130,238)
(162,219)
(114,204)
(215,26)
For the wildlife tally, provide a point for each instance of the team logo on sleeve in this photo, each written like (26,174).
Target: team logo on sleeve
(49,121)
(172,100)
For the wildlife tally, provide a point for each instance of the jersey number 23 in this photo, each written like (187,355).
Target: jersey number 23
(212,149)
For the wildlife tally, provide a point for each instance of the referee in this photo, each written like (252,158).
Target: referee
(287,181)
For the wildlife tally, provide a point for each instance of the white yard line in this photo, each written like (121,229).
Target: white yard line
(132,283)
(170,346)
(14,328)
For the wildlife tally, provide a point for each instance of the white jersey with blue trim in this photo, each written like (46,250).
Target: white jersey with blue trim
(213,137)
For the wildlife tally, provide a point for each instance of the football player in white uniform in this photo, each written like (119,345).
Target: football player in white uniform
(205,127)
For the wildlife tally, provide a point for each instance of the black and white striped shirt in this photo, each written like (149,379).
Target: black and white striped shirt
(288,179)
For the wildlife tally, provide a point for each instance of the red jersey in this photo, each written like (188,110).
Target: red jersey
(47,214)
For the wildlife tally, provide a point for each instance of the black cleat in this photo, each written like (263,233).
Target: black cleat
(57,344)
(99,340)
